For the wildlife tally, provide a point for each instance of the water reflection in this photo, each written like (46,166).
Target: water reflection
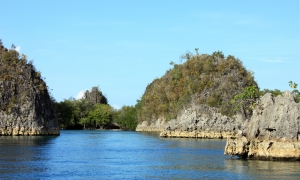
(264,169)
(23,155)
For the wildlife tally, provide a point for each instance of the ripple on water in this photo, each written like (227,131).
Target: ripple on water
(129,155)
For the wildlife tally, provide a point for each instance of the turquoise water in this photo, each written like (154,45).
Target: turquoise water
(129,155)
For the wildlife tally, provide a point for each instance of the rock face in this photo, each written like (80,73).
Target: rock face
(95,96)
(272,132)
(157,126)
(202,122)
(25,104)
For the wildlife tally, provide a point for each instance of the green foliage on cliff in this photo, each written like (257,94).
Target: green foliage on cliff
(246,100)
(18,78)
(203,79)
(277,92)
(294,86)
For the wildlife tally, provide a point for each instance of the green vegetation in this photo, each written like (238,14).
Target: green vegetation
(246,101)
(100,115)
(71,111)
(203,79)
(126,117)
(93,112)
(90,112)
(294,86)
(274,92)
(277,92)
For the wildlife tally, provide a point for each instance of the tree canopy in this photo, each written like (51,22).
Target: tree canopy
(89,112)
(93,112)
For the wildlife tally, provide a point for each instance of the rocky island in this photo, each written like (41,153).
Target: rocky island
(25,103)
(193,99)
(210,96)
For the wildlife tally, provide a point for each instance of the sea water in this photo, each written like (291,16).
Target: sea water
(103,154)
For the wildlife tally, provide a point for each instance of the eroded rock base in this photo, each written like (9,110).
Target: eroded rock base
(195,134)
(9,131)
(272,132)
(265,150)
(202,122)
(157,126)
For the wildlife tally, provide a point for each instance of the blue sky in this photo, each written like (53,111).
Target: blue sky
(122,46)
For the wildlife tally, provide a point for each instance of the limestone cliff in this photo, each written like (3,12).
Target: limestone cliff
(156,126)
(25,104)
(202,122)
(272,132)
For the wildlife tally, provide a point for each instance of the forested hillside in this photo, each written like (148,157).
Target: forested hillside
(202,79)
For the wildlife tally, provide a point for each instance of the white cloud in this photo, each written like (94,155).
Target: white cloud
(116,106)
(18,48)
(80,94)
